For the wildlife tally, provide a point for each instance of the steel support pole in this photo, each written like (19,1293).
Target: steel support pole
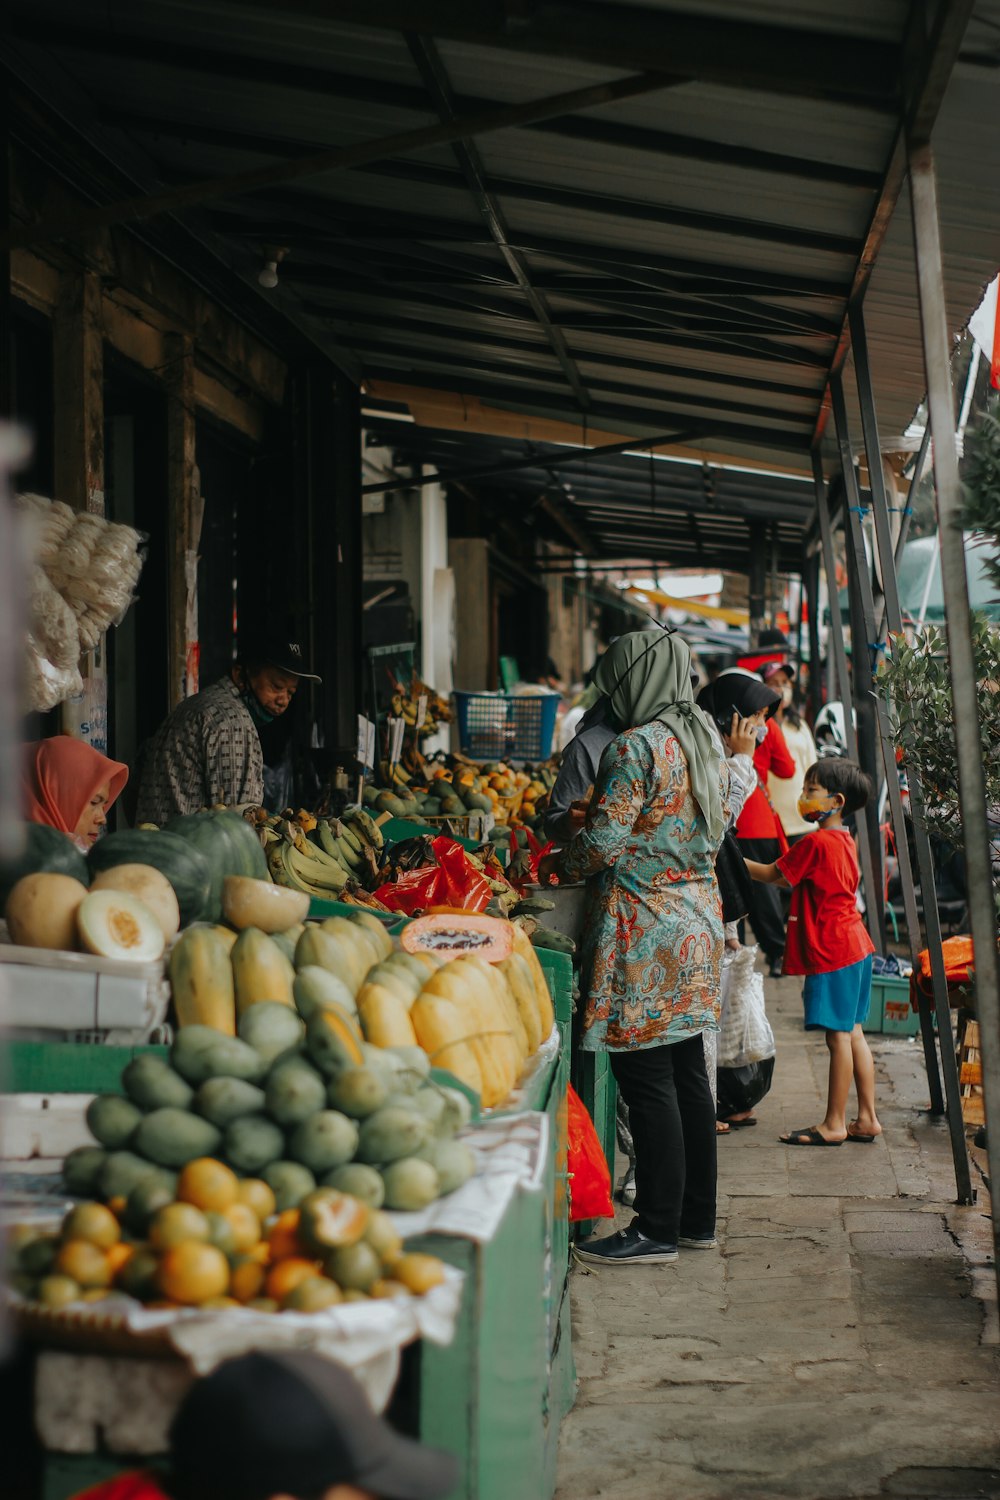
(968,739)
(872,889)
(893,621)
(811,582)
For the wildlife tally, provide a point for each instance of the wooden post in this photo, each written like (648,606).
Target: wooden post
(78,390)
(183,524)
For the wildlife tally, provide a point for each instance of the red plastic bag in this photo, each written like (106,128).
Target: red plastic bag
(452,881)
(589,1176)
(522,839)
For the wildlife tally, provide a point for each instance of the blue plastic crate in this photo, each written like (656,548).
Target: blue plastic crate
(504,726)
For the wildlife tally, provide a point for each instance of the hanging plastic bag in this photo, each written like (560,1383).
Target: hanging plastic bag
(745,1034)
(589,1176)
(450,881)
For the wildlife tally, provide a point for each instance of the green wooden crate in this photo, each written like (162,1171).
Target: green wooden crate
(890,1013)
(65,1067)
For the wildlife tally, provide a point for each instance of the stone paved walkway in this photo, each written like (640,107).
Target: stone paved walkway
(842,1342)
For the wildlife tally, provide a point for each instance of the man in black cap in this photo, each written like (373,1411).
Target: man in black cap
(285,1425)
(208,751)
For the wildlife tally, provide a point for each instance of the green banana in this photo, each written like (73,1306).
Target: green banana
(325,876)
(361,819)
(345,831)
(328,841)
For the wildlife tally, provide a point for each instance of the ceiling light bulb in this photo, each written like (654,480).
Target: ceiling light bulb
(269,275)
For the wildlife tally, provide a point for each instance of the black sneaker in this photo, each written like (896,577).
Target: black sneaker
(626,1248)
(697,1241)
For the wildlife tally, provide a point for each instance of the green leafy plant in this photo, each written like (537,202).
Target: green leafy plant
(981,485)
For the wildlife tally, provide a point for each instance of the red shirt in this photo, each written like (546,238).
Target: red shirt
(825,929)
(136,1484)
(758,819)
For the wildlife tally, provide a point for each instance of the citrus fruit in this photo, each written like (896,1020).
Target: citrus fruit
(209,1184)
(355,1266)
(118,1258)
(312,1294)
(192,1273)
(384,1238)
(94,1223)
(283,1237)
(177,1223)
(247,1279)
(137,1277)
(418,1272)
(287,1274)
(263,1304)
(87,1264)
(387,1287)
(255,1193)
(38,1256)
(244,1224)
(58,1291)
(221,1233)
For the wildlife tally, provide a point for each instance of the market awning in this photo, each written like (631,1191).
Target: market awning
(673,262)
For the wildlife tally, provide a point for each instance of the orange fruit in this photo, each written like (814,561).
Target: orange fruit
(256,1194)
(418,1273)
(312,1294)
(119,1256)
(117,1205)
(87,1264)
(193,1273)
(209,1184)
(92,1222)
(58,1291)
(283,1237)
(247,1279)
(177,1223)
(245,1226)
(287,1274)
(137,1277)
(264,1304)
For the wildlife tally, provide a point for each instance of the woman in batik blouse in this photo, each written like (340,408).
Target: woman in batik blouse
(653,939)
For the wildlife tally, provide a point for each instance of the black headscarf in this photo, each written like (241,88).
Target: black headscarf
(739,691)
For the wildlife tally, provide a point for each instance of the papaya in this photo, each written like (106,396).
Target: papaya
(252,1143)
(357,1092)
(333,1041)
(152,1083)
(400,981)
(385,1018)
(287,940)
(294,1091)
(315,988)
(410,1184)
(360,1181)
(172,1137)
(289,1181)
(113,1120)
(261,972)
(329,1220)
(317,948)
(326,1140)
(459,933)
(375,929)
(387,802)
(120,1172)
(483,1025)
(369,950)
(522,989)
(443,1031)
(390,1133)
(201,980)
(199,1052)
(543,997)
(221,1100)
(506,1006)
(414,1067)
(81,1170)
(270,1029)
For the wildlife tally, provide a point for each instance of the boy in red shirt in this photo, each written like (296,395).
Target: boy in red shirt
(827,942)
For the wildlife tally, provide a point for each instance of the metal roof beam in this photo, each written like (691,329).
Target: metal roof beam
(740,54)
(438,85)
(149,205)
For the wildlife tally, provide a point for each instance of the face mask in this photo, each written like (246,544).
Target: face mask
(760,733)
(257,712)
(813,809)
(786,695)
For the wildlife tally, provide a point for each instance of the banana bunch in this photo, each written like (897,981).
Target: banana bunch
(334,856)
(406,706)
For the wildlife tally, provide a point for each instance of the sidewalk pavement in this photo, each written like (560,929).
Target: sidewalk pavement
(841,1342)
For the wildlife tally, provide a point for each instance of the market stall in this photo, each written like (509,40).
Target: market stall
(380,1103)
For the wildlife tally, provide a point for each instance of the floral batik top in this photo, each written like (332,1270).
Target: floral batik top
(652,944)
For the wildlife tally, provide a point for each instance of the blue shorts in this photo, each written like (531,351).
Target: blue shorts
(839,1000)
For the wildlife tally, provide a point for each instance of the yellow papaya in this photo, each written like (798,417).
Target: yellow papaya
(260,971)
(543,998)
(201,978)
(385,1017)
(441,1028)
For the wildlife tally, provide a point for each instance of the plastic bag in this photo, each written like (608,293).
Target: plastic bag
(589,1175)
(740,1089)
(745,1034)
(452,881)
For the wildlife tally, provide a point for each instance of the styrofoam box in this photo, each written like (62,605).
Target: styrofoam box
(48,994)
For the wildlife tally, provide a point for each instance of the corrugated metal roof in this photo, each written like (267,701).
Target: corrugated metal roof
(678,261)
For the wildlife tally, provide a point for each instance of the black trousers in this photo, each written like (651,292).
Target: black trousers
(765,913)
(672,1118)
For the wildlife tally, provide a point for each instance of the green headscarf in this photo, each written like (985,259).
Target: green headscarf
(647,675)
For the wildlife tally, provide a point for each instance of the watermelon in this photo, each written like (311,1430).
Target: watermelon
(46,851)
(186,869)
(228,845)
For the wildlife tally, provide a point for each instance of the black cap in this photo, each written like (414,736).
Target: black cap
(291,1422)
(274,650)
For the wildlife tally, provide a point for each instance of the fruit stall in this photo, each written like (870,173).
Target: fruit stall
(237,1112)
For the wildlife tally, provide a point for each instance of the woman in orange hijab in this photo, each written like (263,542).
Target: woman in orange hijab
(71,786)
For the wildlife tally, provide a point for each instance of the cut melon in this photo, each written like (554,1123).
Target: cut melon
(42,908)
(455,936)
(151,886)
(259,903)
(114,924)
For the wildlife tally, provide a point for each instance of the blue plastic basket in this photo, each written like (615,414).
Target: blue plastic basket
(502,726)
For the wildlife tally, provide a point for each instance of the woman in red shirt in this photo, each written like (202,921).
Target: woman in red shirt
(758,829)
